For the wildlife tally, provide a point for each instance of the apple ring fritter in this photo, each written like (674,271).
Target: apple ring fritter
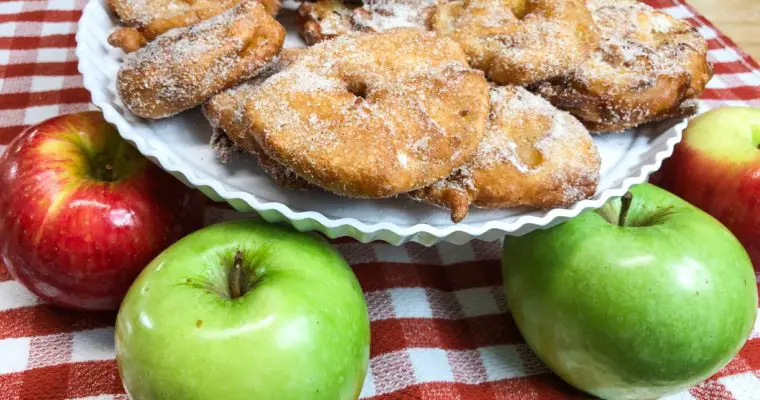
(532,154)
(225,113)
(184,67)
(146,19)
(328,19)
(372,115)
(649,66)
(519,41)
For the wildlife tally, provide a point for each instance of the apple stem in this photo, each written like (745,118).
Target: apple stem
(237,270)
(109,172)
(625,205)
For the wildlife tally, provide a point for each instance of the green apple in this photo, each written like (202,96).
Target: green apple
(244,310)
(632,302)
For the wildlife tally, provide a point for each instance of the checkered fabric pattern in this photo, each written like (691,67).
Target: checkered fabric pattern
(440,326)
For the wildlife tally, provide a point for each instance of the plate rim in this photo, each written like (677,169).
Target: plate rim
(422,233)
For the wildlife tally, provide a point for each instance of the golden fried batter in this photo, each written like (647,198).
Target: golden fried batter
(225,113)
(531,155)
(372,115)
(519,41)
(327,19)
(648,68)
(146,19)
(184,67)
(127,39)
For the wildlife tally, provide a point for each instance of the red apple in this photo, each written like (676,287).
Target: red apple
(717,168)
(82,212)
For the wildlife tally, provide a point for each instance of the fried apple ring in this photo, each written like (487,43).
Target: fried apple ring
(225,113)
(184,67)
(532,154)
(146,19)
(649,67)
(328,19)
(372,115)
(519,41)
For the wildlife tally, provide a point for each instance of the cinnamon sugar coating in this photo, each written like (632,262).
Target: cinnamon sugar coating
(650,66)
(146,19)
(225,113)
(372,115)
(532,154)
(184,67)
(519,41)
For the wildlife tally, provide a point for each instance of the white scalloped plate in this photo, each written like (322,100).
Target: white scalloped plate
(180,146)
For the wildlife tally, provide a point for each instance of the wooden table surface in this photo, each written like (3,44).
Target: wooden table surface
(738,19)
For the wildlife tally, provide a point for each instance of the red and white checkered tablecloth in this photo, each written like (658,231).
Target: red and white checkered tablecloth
(440,327)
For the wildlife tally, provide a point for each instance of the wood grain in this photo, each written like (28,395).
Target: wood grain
(738,19)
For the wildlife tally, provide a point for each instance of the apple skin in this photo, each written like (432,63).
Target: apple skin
(300,332)
(634,312)
(75,233)
(717,168)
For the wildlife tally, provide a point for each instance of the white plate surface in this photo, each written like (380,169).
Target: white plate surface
(180,146)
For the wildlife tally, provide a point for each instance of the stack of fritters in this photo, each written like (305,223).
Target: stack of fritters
(453,103)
